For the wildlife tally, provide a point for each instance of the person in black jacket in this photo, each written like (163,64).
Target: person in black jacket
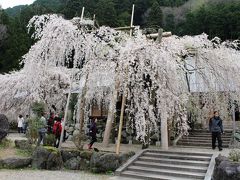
(216,128)
(93,133)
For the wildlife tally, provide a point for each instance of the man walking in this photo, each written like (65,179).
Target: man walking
(216,128)
(42,129)
(93,133)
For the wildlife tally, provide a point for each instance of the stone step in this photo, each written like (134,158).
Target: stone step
(207,131)
(207,135)
(202,140)
(180,153)
(176,167)
(150,176)
(174,161)
(167,172)
(174,156)
(184,143)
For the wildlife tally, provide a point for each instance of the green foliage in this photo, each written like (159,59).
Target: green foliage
(49,140)
(38,108)
(220,20)
(234,155)
(155,17)
(5,143)
(32,133)
(23,153)
(13,125)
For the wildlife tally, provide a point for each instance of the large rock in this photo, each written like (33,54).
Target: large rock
(72,164)
(86,155)
(125,156)
(40,158)
(103,162)
(23,144)
(4,126)
(68,154)
(77,126)
(54,161)
(70,138)
(226,169)
(76,132)
(16,162)
(71,129)
(47,158)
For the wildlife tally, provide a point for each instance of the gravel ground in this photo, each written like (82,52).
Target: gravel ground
(49,175)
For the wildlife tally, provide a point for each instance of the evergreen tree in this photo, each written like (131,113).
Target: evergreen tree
(106,13)
(155,17)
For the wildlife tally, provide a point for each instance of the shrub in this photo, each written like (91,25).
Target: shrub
(32,133)
(13,125)
(234,155)
(38,108)
(5,143)
(49,140)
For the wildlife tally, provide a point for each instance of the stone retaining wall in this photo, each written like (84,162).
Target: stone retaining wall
(50,158)
(226,169)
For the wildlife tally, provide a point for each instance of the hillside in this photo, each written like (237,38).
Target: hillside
(182,17)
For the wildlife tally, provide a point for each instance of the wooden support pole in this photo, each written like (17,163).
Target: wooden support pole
(156,35)
(121,124)
(160,35)
(124,28)
(82,14)
(124,97)
(131,24)
(234,121)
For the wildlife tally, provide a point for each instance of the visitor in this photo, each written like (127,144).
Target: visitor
(20,122)
(93,133)
(57,129)
(216,128)
(50,123)
(42,125)
(25,124)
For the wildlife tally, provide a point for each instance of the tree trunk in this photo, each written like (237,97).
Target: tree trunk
(110,119)
(78,139)
(164,128)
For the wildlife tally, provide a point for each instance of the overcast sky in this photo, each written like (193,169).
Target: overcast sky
(10,3)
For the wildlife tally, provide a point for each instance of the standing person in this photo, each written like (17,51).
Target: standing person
(42,129)
(25,124)
(93,133)
(50,123)
(20,123)
(216,128)
(57,129)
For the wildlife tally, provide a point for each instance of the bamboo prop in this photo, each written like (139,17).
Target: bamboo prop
(234,122)
(82,13)
(131,25)
(124,28)
(124,97)
(156,35)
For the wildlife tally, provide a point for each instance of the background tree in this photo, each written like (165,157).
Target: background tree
(155,17)
(106,13)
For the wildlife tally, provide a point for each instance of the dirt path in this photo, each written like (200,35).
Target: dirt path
(49,175)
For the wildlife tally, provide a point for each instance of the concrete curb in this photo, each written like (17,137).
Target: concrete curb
(130,161)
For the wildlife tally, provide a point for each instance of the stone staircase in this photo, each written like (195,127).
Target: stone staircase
(202,138)
(166,165)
